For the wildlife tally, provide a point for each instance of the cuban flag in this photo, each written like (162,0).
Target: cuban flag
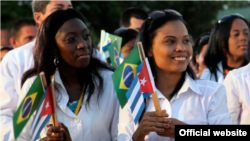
(146,79)
(136,97)
(43,114)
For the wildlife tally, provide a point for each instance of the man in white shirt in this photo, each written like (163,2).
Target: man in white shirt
(16,62)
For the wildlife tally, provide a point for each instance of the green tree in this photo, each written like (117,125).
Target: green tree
(11,11)
(106,14)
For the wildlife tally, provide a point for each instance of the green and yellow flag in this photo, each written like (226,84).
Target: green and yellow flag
(114,55)
(125,74)
(28,106)
(107,38)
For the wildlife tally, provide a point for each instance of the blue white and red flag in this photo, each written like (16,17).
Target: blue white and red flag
(43,114)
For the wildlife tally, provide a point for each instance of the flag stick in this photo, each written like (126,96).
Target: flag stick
(44,82)
(154,95)
(54,114)
(119,48)
(102,40)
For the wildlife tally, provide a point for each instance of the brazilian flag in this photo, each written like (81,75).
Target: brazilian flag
(125,74)
(114,55)
(28,106)
(110,38)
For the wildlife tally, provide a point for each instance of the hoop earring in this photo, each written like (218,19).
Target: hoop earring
(56,61)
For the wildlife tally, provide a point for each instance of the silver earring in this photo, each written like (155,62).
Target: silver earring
(56,61)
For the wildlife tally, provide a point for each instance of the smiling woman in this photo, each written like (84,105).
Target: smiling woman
(167,45)
(64,51)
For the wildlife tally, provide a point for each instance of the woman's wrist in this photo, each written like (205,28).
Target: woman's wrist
(138,137)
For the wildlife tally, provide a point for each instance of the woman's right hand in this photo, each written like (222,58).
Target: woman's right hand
(151,122)
(60,133)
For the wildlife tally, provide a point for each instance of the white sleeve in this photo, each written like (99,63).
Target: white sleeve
(126,125)
(114,124)
(97,54)
(233,104)
(9,96)
(218,111)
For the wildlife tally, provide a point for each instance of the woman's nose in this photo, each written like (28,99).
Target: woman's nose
(180,48)
(82,44)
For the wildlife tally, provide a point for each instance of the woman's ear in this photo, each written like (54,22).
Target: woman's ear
(197,58)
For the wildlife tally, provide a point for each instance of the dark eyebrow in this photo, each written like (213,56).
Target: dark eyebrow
(85,29)
(69,33)
(174,36)
(169,37)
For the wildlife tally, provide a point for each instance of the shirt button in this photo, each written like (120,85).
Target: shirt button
(77,120)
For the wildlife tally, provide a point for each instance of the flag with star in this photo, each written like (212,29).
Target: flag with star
(43,114)
(146,78)
(28,106)
(135,97)
(125,73)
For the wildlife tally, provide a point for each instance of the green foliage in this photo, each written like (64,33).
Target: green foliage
(11,11)
(106,14)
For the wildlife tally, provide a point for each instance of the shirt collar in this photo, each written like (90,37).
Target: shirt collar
(189,83)
(63,96)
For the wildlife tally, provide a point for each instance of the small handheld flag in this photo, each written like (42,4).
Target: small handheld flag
(124,75)
(135,97)
(146,78)
(43,114)
(28,106)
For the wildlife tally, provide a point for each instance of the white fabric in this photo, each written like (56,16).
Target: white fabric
(197,102)
(237,85)
(12,67)
(98,122)
(206,74)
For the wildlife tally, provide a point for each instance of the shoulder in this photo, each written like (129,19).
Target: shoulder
(19,53)
(241,72)
(238,78)
(105,74)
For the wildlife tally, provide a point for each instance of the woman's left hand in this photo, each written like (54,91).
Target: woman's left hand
(170,131)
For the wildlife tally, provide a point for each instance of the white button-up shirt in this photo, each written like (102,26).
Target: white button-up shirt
(237,85)
(96,122)
(206,74)
(12,68)
(197,102)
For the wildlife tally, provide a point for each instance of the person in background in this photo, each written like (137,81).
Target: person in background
(166,43)
(23,31)
(227,47)
(79,78)
(16,62)
(133,18)
(5,37)
(200,48)
(5,50)
(128,39)
(238,94)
